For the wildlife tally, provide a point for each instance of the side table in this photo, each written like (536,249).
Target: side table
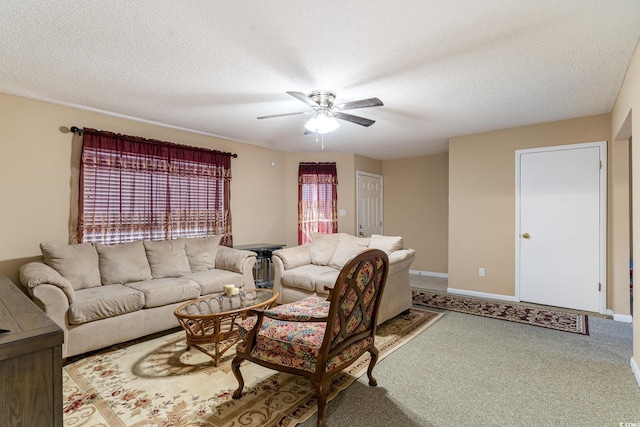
(262,269)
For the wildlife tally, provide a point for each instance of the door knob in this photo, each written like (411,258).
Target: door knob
(526,236)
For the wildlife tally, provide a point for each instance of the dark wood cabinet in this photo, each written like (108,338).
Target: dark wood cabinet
(30,362)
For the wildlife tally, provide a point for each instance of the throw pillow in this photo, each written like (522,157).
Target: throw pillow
(123,263)
(202,252)
(386,243)
(76,263)
(167,258)
(347,247)
(322,247)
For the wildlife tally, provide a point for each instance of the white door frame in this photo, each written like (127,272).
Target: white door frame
(602,145)
(358,175)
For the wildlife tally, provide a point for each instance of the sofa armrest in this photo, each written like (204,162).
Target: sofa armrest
(294,257)
(54,303)
(237,261)
(401,259)
(35,274)
(286,259)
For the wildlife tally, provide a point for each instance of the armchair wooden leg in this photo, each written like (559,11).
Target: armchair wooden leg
(235,368)
(322,392)
(374,358)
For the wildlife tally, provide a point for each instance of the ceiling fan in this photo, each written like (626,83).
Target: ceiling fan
(324,112)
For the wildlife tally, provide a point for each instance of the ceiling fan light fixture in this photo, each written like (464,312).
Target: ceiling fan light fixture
(324,112)
(322,124)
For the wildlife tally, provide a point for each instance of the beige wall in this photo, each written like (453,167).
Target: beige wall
(36,165)
(621,117)
(619,230)
(366,164)
(416,207)
(482,198)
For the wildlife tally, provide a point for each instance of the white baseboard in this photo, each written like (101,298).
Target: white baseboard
(429,273)
(482,294)
(626,318)
(636,370)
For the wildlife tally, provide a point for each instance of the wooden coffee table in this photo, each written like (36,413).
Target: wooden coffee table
(213,319)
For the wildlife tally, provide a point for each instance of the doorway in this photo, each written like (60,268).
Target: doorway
(561,226)
(370,199)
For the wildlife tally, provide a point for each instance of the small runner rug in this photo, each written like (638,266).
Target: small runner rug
(158,383)
(529,315)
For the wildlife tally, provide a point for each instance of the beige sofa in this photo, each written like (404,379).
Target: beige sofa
(106,294)
(306,270)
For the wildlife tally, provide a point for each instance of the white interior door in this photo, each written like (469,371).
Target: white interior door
(560,243)
(369,204)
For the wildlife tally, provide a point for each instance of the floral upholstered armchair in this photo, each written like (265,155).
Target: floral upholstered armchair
(317,338)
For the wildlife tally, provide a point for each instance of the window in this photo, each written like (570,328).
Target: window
(134,188)
(317,199)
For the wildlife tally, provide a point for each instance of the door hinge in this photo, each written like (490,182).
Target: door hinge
(600,164)
(599,287)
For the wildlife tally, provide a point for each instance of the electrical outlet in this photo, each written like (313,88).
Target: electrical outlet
(481,272)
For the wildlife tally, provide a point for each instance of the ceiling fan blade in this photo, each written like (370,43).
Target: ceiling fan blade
(371,102)
(354,119)
(282,115)
(304,98)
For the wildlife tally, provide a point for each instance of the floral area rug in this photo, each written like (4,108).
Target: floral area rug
(158,383)
(551,319)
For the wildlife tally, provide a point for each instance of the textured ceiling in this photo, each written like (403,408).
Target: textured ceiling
(442,68)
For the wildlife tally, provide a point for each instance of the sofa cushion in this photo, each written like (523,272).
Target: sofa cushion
(167,258)
(386,243)
(123,263)
(159,292)
(212,281)
(286,343)
(103,302)
(306,276)
(322,247)
(202,252)
(76,263)
(347,247)
(327,279)
(302,310)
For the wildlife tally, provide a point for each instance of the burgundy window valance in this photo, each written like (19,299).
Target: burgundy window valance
(134,188)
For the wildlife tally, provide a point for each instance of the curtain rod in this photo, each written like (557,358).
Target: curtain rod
(77,130)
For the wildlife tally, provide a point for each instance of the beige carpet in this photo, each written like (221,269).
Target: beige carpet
(158,383)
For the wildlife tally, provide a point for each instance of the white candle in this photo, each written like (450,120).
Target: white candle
(228,290)
(236,291)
